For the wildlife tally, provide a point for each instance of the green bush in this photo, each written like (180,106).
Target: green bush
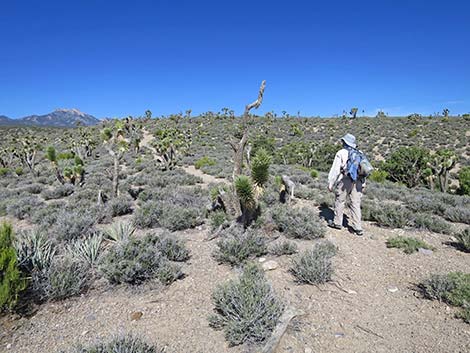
(464,181)
(452,288)
(408,244)
(464,239)
(4,171)
(379,176)
(314,173)
(247,309)
(203,162)
(12,282)
(407,165)
(300,223)
(123,344)
(238,245)
(314,266)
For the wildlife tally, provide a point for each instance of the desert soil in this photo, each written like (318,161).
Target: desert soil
(372,304)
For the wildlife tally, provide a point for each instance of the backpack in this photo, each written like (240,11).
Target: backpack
(357,165)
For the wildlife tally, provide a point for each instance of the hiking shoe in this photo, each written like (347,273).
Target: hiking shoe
(332,225)
(359,232)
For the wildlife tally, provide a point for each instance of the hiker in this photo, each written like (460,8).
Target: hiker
(345,183)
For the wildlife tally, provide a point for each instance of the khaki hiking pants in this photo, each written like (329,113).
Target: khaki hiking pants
(347,187)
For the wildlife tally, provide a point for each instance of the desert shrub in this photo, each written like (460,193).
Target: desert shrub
(172,248)
(407,165)
(408,244)
(216,219)
(168,272)
(464,181)
(87,250)
(23,207)
(203,162)
(452,288)
(379,176)
(65,277)
(247,309)
(58,192)
(432,223)
(172,208)
(71,225)
(119,231)
(123,344)
(34,251)
(119,206)
(34,188)
(459,214)
(238,245)
(298,223)
(174,217)
(463,239)
(148,215)
(12,281)
(283,248)
(393,216)
(260,167)
(46,216)
(314,266)
(132,261)
(137,260)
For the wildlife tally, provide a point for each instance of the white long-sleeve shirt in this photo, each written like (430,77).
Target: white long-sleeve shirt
(339,164)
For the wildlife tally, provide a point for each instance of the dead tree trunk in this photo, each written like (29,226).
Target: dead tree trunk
(239,147)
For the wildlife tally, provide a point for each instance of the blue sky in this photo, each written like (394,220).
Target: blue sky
(118,58)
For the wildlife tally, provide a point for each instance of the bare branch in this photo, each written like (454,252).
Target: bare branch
(257,102)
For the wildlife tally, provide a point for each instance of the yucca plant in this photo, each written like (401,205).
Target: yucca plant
(120,231)
(248,203)
(88,250)
(260,167)
(34,251)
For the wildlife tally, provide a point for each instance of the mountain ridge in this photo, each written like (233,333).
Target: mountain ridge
(58,118)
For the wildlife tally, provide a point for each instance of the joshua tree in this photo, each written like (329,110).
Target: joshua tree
(239,147)
(116,144)
(68,167)
(169,144)
(27,148)
(148,114)
(440,164)
(353,112)
(445,113)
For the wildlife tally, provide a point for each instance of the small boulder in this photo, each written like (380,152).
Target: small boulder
(136,315)
(269,265)
(425,251)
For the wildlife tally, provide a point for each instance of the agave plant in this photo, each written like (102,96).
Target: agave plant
(120,231)
(88,250)
(34,251)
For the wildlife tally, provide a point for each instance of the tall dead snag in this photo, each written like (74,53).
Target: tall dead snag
(239,147)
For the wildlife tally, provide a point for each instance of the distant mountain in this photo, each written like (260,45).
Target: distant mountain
(58,118)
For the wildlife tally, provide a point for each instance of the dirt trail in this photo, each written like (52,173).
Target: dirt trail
(206,178)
